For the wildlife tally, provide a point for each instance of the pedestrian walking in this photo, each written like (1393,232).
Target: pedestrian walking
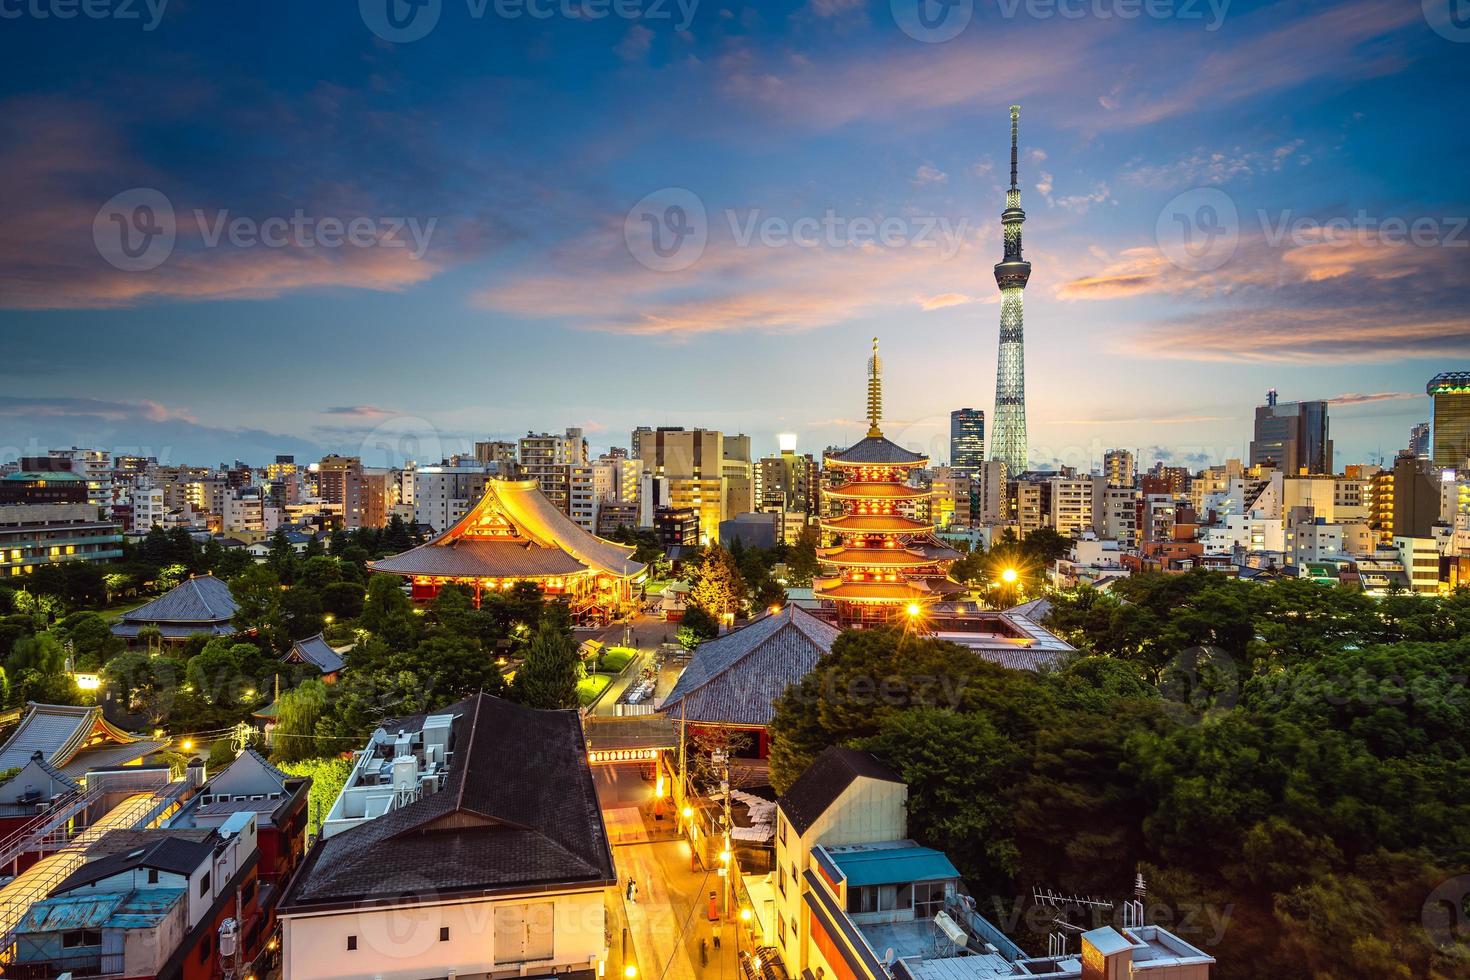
(632,890)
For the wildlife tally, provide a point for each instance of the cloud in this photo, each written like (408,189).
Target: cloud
(1201,167)
(1358,398)
(928,174)
(361,411)
(635,44)
(592,282)
(1328,336)
(939,302)
(93,408)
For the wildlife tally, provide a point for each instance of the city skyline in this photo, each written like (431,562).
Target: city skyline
(529,308)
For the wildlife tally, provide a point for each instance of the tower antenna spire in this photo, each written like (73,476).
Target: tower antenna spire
(1015,125)
(875,392)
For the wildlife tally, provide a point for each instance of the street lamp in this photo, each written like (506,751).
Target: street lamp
(1009,576)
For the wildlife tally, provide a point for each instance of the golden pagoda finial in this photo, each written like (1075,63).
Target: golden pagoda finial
(875,392)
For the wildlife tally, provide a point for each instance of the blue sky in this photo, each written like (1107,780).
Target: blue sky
(499,168)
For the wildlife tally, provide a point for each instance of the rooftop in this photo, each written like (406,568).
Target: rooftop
(876,450)
(516,809)
(514,531)
(199,604)
(736,678)
(825,780)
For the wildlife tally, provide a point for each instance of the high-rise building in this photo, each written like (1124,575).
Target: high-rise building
(1405,500)
(1292,436)
(1008,441)
(1118,468)
(966,440)
(1419,440)
(548,458)
(1451,396)
(495,452)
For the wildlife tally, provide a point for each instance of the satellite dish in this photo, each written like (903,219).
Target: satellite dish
(888,956)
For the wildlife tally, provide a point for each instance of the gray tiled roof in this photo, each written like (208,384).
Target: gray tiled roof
(518,810)
(316,651)
(735,679)
(468,556)
(876,449)
(202,599)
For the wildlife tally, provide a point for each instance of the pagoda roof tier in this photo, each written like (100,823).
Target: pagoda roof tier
(877,491)
(917,588)
(875,524)
(876,592)
(513,532)
(875,451)
(874,557)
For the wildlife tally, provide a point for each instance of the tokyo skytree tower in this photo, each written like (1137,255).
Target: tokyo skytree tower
(1008,437)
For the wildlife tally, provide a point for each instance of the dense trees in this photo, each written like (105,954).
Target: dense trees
(1292,812)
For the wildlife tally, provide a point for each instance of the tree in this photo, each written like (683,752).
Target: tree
(548,676)
(41,652)
(389,614)
(696,627)
(297,713)
(718,587)
(257,594)
(801,559)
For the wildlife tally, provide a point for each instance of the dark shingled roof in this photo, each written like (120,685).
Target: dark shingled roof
(171,853)
(876,449)
(203,600)
(518,810)
(825,780)
(315,650)
(735,679)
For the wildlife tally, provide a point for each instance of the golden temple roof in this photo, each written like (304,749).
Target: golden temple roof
(513,532)
(875,523)
(874,557)
(877,491)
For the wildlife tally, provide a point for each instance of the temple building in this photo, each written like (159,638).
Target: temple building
(515,534)
(884,560)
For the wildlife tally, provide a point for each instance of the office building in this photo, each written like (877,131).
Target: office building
(1292,436)
(967,439)
(1450,397)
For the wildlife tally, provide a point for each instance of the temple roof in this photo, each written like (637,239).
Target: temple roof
(62,733)
(513,532)
(873,557)
(876,523)
(876,450)
(908,590)
(736,678)
(315,650)
(877,491)
(199,604)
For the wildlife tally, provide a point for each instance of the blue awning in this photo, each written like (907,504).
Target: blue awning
(893,865)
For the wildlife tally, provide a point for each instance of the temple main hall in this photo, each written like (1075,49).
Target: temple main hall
(883,561)
(515,534)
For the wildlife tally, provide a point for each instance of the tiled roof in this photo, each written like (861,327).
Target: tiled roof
(57,731)
(315,650)
(202,599)
(876,449)
(518,810)
(735,679)
(468,556)
(171,853)
(543,541)
(825,780)
(107,756)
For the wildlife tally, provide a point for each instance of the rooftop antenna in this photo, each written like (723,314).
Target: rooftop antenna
(875,393)
(1015,119)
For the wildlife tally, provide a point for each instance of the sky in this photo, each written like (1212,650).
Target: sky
(392,227)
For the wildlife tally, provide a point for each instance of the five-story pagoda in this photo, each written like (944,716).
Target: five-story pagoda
(884,561)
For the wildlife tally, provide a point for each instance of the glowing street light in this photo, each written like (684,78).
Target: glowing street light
(1009,576)
(914,610)
(630,971)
